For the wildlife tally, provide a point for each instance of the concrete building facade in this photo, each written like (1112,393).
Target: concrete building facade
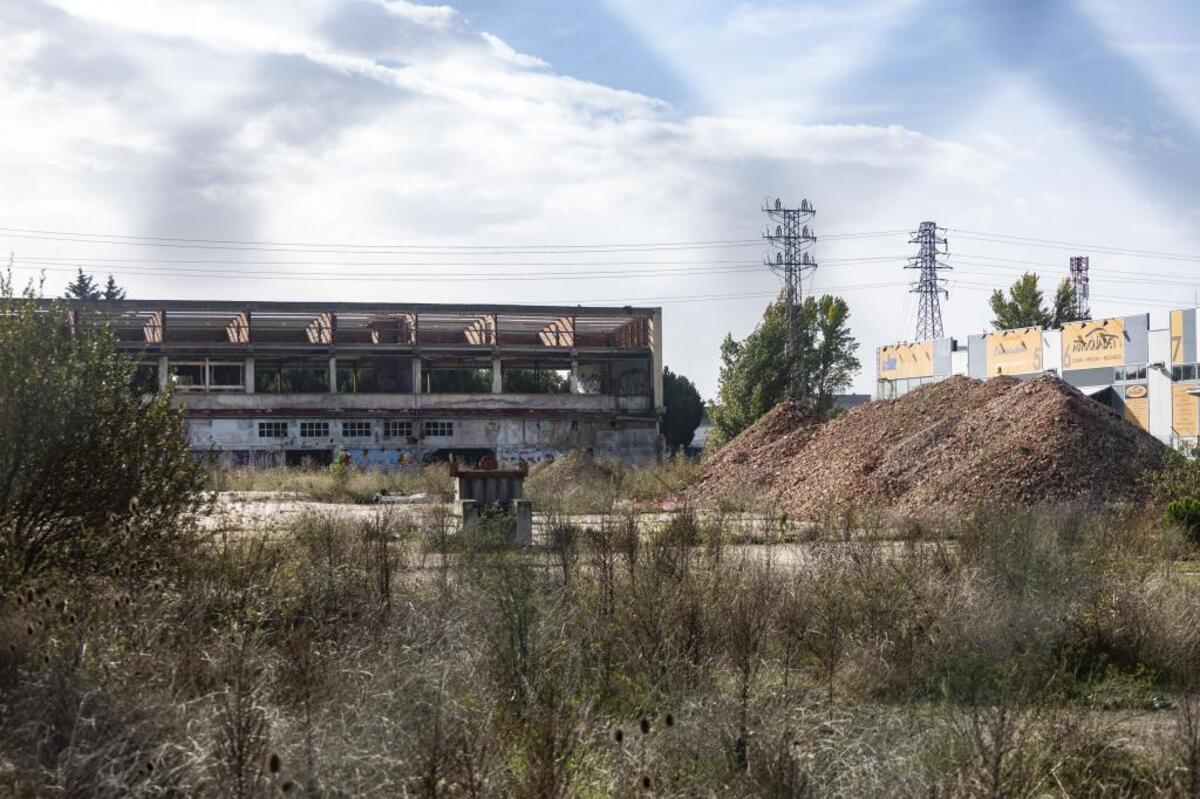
(275,383)
(1145,366)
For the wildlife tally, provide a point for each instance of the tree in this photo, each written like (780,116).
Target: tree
(683,409)
(94,477)
(1024,306)
(83,287)
(112,291)
(754,372)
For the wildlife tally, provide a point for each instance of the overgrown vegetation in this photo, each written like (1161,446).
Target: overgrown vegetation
(93,477)
(1044,653)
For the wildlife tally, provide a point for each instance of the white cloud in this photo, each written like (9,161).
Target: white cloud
(395,122)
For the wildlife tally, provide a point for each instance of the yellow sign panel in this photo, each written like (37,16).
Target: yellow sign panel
(900,361)
(1098,342)
(1014,352)
(1137,410)
(1176,336)
(1183,411)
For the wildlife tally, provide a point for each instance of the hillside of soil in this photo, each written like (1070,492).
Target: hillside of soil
(956,443)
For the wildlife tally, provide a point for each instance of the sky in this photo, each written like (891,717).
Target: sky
(603,152)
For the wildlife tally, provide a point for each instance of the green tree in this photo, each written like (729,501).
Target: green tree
(112,291)
(1024,306)
(683,409)
(535,381)
(754,372)
(83,287)
(94,478)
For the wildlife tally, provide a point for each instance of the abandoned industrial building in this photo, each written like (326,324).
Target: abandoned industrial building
(276,383)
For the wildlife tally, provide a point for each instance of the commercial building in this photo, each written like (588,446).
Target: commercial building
(282,382)
(1143,366)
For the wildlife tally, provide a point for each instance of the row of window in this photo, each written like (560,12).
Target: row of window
(1126,374)
(359,428)
(1185,371)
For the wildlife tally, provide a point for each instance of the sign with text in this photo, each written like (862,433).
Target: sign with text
(1097,342)
(1014,352)
(901,361)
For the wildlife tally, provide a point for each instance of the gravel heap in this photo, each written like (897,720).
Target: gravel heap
(947,445)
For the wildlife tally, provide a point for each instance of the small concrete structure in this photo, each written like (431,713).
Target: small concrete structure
(490,493)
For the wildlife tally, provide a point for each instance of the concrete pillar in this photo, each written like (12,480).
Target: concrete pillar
(164,376)
(332,374)
(497,376)
(248,374)
(656,362)
(575,388)
(416,375)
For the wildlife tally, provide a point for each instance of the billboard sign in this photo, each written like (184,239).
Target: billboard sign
(1096,342)
(1014,352)
(1183,411)
(1137,405)
(901,361)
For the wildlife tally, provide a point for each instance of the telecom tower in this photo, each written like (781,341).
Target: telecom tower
(929,287)
(1079,282)
(791,239)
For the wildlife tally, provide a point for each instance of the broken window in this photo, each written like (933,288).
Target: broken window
(145,378)
(300,376)
(536,381)
(188,376)
(459,381)
(356,377)
(225,376)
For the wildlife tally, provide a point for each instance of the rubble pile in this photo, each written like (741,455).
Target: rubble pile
(957,443)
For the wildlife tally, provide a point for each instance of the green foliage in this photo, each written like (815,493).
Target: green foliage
(112,291)
(1179,477)
(683,409)
(94,477)
(535,381)
(1185,513)
(84,287)
(754,372)
(1024,305)
(460,381)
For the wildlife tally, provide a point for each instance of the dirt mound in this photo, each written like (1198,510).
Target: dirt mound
(950,444)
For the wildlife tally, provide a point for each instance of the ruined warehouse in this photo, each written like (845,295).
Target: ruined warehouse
(274,383)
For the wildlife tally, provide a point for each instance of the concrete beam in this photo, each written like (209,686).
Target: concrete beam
(239,328)
(559,333)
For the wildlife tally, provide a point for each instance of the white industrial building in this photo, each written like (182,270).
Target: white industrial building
(1144,366)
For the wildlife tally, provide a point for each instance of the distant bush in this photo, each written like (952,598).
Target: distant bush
(1185,513)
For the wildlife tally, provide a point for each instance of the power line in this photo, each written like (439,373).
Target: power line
(55,266)
(344,248)
(1024,241)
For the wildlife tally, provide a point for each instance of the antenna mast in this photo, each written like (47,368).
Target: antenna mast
(791,238)
(929,287)
(1079,283)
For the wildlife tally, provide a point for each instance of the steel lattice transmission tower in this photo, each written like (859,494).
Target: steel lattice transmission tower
(929,287)
(1079,282)
(791,237)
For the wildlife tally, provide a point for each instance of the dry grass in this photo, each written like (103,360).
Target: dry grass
(385,656)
